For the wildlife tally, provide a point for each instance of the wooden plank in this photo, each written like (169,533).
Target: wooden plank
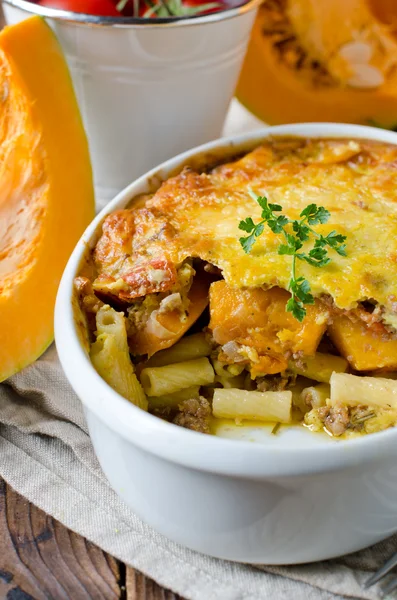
(41,559)
(139,587)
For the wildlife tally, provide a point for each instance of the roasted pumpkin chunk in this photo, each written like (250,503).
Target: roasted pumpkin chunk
(366,348)
(257,318)
(163,330)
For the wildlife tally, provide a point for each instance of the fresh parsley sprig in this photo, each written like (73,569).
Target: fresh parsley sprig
(166,8)
(295,233)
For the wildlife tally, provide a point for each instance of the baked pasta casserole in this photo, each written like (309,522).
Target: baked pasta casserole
(262,289)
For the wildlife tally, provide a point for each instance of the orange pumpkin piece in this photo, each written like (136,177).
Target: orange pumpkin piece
(366,348)
(47,196)
(144,341)
(298,48)
(257,318)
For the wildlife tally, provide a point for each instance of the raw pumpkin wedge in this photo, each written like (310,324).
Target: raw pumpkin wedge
(306,63)
(46,197)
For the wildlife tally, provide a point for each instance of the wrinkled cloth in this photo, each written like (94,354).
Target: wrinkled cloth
(46,455)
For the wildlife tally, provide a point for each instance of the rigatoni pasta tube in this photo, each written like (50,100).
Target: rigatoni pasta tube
(188,348)
(236,382)
(226,371)
(300,384)
(352,390)
(319,367)
(173,400)
(158,381)
(316,395)
(258,406)
(110,356)
(226,378)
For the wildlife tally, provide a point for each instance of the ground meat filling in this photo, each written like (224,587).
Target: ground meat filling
(340,419)
(335,419)
(275,383)
(89,302)
(194,414)
(369,313)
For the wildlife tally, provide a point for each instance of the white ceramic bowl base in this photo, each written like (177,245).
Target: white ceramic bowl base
(276,521)
(291,498)
(147,93)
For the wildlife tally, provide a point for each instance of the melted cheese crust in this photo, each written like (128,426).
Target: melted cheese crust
(197,215)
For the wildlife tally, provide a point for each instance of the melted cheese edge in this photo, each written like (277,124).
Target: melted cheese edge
(197,215)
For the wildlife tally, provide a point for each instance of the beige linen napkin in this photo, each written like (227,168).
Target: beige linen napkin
(46,455)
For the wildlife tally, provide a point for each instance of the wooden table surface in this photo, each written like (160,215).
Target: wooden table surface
(42,560)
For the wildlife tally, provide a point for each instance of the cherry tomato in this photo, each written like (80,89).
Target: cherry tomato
(103,8)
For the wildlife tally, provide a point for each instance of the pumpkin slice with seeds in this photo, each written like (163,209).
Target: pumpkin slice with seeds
(321,60)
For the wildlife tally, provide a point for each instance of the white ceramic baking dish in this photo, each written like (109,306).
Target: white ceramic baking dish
(290,498)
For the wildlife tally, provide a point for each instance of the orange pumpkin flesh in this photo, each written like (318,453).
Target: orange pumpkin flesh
(257,318)
(144,342)
(47,197)
(365,348)
(277,93)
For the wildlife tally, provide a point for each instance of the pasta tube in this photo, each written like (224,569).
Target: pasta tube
(300,384)
(229,376)
(258,406)
(188,348)
(174,399)
(110,356)
(231,382)
(227,371)
(320,366)
(315,396)
(160,381)
(352,391)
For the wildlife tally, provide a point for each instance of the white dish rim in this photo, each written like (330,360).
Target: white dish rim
(176,444)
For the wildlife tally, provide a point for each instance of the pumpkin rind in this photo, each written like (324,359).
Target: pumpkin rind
(47,196)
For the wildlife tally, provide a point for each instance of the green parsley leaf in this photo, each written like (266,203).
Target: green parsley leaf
(315,262)
(247,243)
(309,211)
(302,231)
(341,250)
(295,234)
(277,224)
(285,249)
(301,289)
(315,214)
(247,225)
(335,238)
(296,308)
(316,257)
(276,208)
